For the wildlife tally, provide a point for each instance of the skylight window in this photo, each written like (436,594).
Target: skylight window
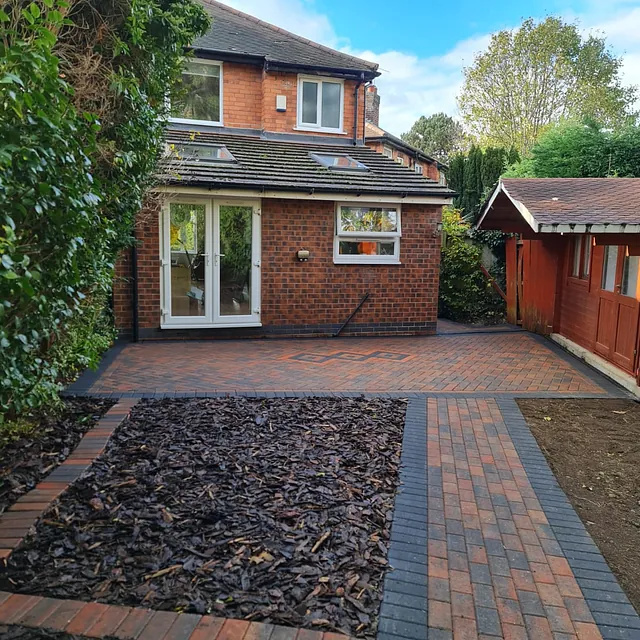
(206,153)
(339,161)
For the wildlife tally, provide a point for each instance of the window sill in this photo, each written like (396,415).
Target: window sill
(338,132)
(580,282)
(200,123)
(382,263)
(226,325)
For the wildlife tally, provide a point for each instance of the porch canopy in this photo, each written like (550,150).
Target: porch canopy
(609,208)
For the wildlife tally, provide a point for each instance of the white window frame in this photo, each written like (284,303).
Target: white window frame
(418,168)
(442,179)
(358,236)
(387,152)
(400,160)
(305,126)
(207,123)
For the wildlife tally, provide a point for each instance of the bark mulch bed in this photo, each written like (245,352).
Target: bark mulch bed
(16,632)
(27,460)
(593,447)
(268,510)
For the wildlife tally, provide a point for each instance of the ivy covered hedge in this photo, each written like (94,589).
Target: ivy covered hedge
(82,104)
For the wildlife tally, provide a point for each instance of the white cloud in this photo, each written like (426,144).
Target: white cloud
(411,86)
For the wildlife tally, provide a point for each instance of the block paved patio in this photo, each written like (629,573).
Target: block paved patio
(484,542)
(490,363)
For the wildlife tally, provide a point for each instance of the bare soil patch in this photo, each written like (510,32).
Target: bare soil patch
(268,510)
(593,447)
(25,461)
(18,632)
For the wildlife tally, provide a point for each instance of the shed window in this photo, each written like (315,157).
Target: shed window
(320,104)
(609,268)
(200,98)
(581,257)
(367,234)
(630,279)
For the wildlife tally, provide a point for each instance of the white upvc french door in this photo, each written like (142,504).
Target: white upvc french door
(210,267)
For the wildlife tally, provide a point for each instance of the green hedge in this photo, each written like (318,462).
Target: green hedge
(82,108)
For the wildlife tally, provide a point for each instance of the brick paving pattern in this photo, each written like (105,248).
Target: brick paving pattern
(509,362)
(495,567)
(484,543)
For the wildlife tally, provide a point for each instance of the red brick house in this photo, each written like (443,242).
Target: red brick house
(396,148)
(273,216)
(573,265)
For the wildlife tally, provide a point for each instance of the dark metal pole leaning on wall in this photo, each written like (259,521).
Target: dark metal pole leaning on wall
(365,297)
(355,109)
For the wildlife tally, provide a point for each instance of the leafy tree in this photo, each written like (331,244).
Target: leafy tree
(576,150)
(81,123)
(438,135)
(539,74)
(472,185)
(455,176)
(465,294)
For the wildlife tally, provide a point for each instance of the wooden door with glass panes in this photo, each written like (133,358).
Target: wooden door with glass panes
(619,307)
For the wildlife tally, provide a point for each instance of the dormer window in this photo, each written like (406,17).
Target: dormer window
(320,104)
(200,98)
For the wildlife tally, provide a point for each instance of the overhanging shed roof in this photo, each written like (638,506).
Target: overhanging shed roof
(563,205)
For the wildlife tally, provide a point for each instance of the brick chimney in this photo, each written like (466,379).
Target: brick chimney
(372,105)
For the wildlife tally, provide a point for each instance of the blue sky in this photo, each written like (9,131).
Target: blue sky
(423,45)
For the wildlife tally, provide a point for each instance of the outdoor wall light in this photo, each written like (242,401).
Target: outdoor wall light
(302,255)
(438,230)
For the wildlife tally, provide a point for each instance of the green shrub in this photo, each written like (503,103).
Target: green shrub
(465,293)
(82,109)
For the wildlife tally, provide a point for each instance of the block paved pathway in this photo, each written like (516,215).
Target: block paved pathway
(484,542)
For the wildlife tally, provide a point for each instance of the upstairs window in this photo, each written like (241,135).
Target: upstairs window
(387,152)
(200,97)
(320,104)
(367,234)
(581,257)
(418,168)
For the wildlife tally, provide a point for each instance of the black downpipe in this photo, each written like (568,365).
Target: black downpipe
(365,297)
(355,110)
(134,291)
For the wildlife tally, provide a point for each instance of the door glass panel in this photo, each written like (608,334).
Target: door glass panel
(331,92)
(235,260)
(187,239)
(630,282)
(609,268)
(310,102)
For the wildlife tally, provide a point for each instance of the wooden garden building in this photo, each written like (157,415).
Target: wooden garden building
(573,265)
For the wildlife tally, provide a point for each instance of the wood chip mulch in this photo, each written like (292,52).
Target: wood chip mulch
(267,510)
(27,460)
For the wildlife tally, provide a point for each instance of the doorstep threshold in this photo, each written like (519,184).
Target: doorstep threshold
(625,380)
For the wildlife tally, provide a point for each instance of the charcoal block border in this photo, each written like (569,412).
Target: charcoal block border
(403,613)
(609,605)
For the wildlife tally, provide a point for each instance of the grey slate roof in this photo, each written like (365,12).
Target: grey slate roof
(234,32)
(374,132)
(275,165)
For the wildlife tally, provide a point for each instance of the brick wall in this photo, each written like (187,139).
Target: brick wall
(242,95)
(311,297)
(320,292)
(249,101)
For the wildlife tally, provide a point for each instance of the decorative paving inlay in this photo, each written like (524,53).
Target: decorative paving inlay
(317,358)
